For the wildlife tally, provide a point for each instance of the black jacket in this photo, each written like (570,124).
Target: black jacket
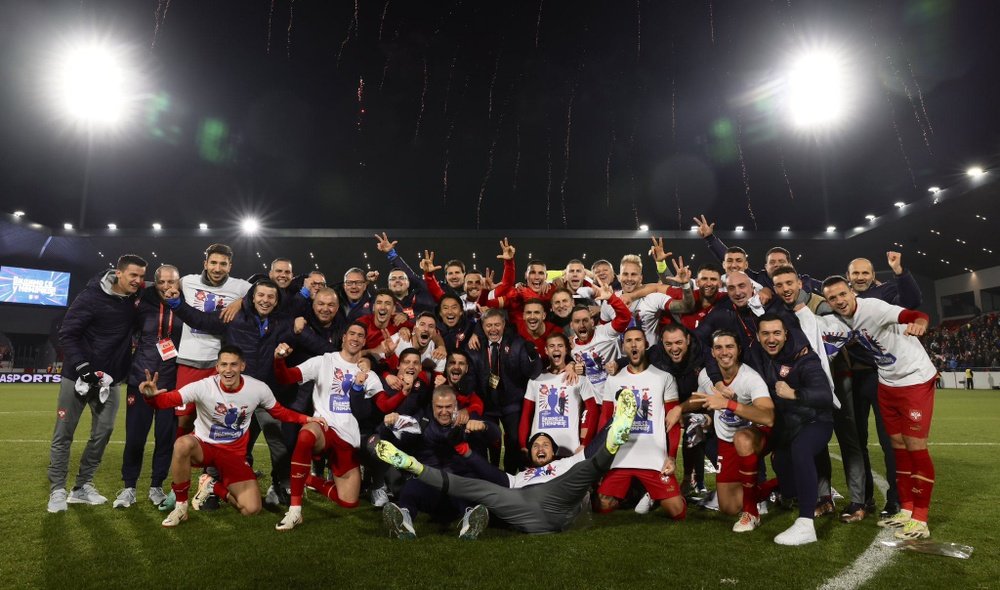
(519,362)
(97,329)
(154,322)
(800,368)
(684,373)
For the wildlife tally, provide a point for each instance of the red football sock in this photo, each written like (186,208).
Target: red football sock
(220,490)
(748,479)
(181,491)
(904,486)
(922,482)
(764,490)
(683,513)
(301,462)
(329,489)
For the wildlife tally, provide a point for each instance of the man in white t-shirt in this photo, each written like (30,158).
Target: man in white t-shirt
(906,381)
(225,403)
(594,346)
(744,415)
(650,455)
(566,412)
(337,376)
(647,310)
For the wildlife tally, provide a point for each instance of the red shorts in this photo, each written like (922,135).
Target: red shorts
(340,454)
(185,375)
(728,459)
(617,481)
(907,409)
(232,466)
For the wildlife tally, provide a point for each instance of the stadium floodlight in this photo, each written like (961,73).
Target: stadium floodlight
(67,226)
(643,227)
(18,213)
(93,83)
(785,229)
(899,204)
(157,227)
(203,226)
(250,226)
(830,229)
(975,172)
(739,228)
(112,226)
(818,90)
(934,190)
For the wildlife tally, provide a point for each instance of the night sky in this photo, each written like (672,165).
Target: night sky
(538,114)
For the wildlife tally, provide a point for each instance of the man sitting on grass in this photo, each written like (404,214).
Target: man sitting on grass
(543,498)
(225,404)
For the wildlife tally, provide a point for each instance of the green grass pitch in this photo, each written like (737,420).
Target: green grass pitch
(98,547)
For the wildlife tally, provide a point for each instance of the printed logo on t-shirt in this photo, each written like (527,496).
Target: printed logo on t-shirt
(593,366)
(207,302)
(729,418)
(229,422)
(883,357)
(643,422)
(531,473)
(553,407)
(340,392)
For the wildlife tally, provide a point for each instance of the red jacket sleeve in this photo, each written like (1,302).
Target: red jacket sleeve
(285,375)
(168,399)
(908,316)
(527,415)
(388,403)
(591,417)
(508,279)
(472,403)
(622,314)
(674,436)
(433,286)
(280,412)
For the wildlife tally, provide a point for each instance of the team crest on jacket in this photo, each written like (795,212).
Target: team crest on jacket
(784,371)
(916,415)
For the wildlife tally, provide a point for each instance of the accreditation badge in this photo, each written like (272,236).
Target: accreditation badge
(166,349)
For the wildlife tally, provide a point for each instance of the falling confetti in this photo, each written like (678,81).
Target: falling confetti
(361,103)
(291,20)
(920,96)
(538,24)
(159,16)
(743,170)
(638,29)
(352,31)
(899,138)
(677,199)
(493,82)
(381,22)
(913,103)
(270,19)
(489,169)
(711,21)
(423,101)
(784,172)
(565,178)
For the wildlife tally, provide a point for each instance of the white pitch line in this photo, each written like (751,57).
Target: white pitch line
(259,444)
(942,444)
(872,559)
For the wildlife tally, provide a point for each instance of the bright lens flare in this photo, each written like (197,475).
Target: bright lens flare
(250,226)
(92,84)
(816,86)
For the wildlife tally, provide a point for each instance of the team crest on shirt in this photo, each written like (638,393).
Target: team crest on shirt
(643,421)
(531,473)
(228,422)
(916,415)
(784,371)
(553,402)
(61,413)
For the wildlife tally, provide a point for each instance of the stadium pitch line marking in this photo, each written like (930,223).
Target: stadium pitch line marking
(875,557)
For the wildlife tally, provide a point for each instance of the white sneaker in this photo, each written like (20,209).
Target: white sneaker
(380,497)
(86,494)
(711,502)
(57,500)
(801,532)
(292,519)
(398,521)
(157,496)
(473,523)
(644,505)
(205,484)
(125,498)
(178,515)
(746,523)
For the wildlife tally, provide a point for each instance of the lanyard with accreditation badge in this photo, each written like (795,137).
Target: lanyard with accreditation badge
(164,345)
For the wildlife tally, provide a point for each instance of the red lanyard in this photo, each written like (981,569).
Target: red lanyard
(159,324)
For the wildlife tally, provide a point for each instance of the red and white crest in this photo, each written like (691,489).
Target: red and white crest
(61,413)
(915,415)
(784,371)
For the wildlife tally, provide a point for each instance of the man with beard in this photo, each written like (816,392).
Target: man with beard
(545,497)
(595,345)
(743,417)
(411,292)
(566,412)
(511,297)
(340,383)
(804,402)
(650,459)
(381,320)
(706,296)
(788,288)
(647,309)
(905,391)
(533,327)
(422,339)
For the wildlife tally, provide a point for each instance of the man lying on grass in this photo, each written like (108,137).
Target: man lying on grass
(543,498)
(225,404)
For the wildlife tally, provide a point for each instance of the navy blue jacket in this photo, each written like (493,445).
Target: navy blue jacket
(718,248)
(684,373)
(903,291)
(419,298)
(153,322)
(801,369)
(97,329)
(519,362)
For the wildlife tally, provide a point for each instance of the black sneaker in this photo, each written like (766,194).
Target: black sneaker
(211,504)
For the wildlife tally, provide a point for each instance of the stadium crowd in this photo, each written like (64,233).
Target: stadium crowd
(972,344)
(460,396)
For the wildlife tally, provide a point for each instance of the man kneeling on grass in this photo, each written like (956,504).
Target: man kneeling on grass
(544,498)
(225,404)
